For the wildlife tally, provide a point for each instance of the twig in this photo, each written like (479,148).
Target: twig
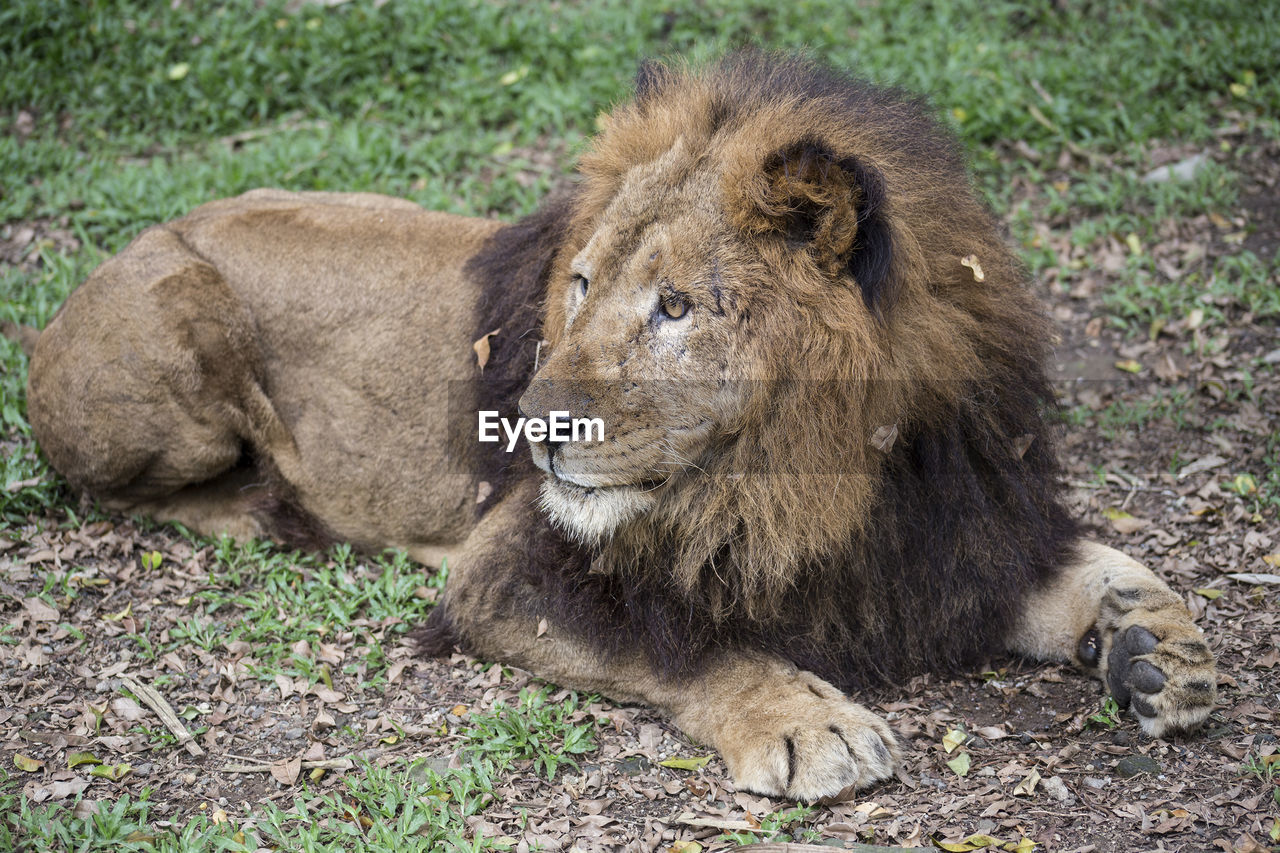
(164,711)
(327,764)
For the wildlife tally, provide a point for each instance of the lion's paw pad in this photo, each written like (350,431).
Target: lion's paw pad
(1167,683)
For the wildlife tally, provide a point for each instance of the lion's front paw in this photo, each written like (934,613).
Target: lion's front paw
(813,742)
(1158,666)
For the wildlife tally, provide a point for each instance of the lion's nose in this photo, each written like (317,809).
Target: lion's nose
(551,444)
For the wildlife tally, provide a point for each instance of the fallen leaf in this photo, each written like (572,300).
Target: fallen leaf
(976,841)
(39,611)
(1210,594)
(686,763)
(1204,463)
(325,694)
(178,71)
(114,772)
(75,759)
(1123,522)
(1254,577)
(1027,786)
(953,739)
(1129,366)
(481,346)
(286,772)
(116,617)
(960,764)
(27,763)
(68,788)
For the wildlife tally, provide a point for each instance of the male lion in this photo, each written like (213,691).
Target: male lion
(826,462)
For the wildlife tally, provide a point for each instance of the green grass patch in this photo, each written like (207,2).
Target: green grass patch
(126,114)
(405,807)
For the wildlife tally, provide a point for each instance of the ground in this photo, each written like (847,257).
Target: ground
(313,725)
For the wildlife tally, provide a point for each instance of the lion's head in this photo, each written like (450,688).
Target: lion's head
(765,281)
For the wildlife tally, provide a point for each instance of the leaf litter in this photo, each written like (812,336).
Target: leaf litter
(96,614)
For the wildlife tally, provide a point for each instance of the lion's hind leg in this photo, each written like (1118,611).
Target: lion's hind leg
(140,387)
(1117,620)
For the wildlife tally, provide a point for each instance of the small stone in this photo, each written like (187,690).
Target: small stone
(1132,765)
(143,769)
(1183,170)
(1095,782)
(293,734)
(1056,788)
(1120,738)
(634,765)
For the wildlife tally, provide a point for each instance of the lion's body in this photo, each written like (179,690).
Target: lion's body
(826,459)
(274,328)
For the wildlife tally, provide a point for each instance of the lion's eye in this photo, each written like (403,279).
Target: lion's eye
(582,284)
(673,306)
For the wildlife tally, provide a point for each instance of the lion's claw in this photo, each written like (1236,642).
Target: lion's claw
(822,745)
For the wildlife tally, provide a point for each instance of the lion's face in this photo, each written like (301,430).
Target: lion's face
(650,343)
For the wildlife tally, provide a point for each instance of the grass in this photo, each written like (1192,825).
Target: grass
(405,807)
(132,113)
(118,115)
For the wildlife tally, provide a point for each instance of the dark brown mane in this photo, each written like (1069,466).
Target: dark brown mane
(920,558)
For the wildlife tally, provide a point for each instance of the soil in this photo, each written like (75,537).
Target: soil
(1045,762)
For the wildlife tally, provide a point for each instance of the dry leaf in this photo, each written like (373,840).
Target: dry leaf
(27,763)
(1027,786)
(971,261)
(952,739)
(1204,463)
(884,437)
(39,611)
(286,772)
(1254,577)
(686,763)
(1123,522)
(481,346)
(960,764)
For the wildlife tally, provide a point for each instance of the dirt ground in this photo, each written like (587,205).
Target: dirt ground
(1040,768)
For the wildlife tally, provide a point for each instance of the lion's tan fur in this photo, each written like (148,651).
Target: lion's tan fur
(283,357)
(852,373)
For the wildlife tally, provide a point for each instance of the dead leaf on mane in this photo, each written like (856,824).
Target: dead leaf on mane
(481,347)
(884,437)
(971,261)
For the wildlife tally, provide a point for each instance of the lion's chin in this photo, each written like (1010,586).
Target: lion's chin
(590,515)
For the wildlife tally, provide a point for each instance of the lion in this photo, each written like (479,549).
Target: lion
(829,462)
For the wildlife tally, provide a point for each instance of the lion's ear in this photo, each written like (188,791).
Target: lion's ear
(832,207)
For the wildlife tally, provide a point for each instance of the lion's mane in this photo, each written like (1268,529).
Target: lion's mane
(860,561)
